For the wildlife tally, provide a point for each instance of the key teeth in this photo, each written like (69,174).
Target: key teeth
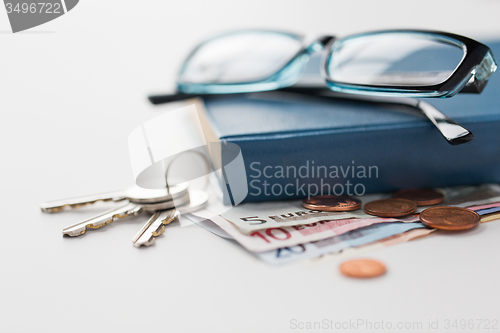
(152,240)
(72,233)
(58,209)
(158,233)
(166,221)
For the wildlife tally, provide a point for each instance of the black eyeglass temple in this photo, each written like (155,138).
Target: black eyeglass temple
(167,98)
(453,132)
(161,99)
(472,87)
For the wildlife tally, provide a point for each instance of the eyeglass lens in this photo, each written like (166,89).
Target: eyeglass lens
(240,58)
(393,60)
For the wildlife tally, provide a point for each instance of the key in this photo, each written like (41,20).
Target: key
(131,208)
(133,194)
(155,226)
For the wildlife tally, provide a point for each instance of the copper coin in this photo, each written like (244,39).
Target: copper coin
(390,207)
(332,203)
(449,218)
(362,268)
(422,196)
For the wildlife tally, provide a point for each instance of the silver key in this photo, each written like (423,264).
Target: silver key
(155,226)
(133,194)
(131,208)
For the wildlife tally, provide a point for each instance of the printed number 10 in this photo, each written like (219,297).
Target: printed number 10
(274,233)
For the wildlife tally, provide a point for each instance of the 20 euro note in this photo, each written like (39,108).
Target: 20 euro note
(274,238)
(377,245)
(339,243)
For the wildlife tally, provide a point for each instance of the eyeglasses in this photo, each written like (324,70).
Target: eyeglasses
(392,63)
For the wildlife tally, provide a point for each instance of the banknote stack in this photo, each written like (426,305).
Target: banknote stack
(285,231)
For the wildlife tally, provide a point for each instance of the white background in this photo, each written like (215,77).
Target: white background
(73,89)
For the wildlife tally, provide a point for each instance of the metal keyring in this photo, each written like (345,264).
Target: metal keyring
(208,166)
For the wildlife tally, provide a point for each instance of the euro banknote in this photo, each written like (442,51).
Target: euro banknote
(274,238)
(361,250)
(339,243)
(486,206)
(250,217)
(469,196)
(490,217)
(492,210)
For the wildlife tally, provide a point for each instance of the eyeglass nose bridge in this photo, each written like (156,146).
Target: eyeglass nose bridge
(318,43)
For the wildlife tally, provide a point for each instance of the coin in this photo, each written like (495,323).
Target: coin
(362,268)
(422,196)
(332,203)
(390,207)
(449,218)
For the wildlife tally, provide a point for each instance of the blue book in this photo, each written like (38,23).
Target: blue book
(294,146)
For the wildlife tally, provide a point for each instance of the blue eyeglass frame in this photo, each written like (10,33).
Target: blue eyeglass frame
(286,76)
(470,76)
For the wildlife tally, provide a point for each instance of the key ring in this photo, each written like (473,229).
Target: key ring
(206,160)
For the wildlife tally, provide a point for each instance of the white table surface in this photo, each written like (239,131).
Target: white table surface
(74,88)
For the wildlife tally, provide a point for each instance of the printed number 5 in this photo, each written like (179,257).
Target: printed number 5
(8,6)
(254,219)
